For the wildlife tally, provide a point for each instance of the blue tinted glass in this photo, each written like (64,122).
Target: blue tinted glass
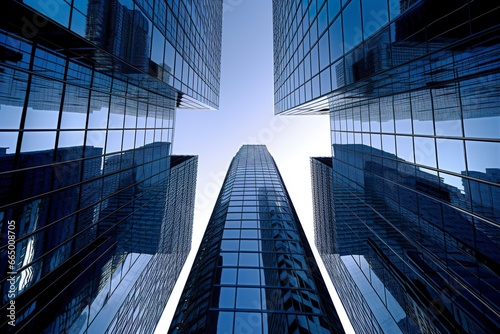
(249,260)
(248,276)
(57,11)
(248,298)
(246,322)
(228,276)
(225,323)
(425,151)
(333,9)
(229,259)
(226,299)
(352,25)
(405,148)
(38,141)
(248,234)
(324,55)
(375,15)
(482,156)
(451,155)
(228,234)
(249,245)
(335,35)
(78,23)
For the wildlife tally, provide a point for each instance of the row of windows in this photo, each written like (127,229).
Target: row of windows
(456,156)
(448,112)
(246,298)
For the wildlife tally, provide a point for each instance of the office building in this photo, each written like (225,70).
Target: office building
(102,212)
(254,271)
(411,88)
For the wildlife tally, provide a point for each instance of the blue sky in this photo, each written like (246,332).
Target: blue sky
(246,116)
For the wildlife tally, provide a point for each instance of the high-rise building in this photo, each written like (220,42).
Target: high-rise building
(254,271)
(412,90)
(95,213)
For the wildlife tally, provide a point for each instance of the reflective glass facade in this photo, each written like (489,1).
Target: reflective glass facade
(254,271)
(88,92)
(412,90)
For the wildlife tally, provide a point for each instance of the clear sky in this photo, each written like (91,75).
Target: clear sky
(246,116)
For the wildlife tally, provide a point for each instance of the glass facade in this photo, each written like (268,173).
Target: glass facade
(88,92)
(412,90)
(254,271)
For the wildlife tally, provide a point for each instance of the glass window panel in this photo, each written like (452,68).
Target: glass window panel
(226,298)
(388,144)
(324,54)
(402,113)
(249,260)
(335,35)
(325,82)
(229,245)
(333,9)
(248,234)
(482,156)
(139,138)
(78,23)
(9,142)
(38,141)
(228,276)
(229,234)
(248,298)
(249,245)
(96,139)
(70,138)
(247,322)
(229,259)
(225,323)
(10,117)
(352,25)
(128,139)
(249,224)
(114,141)
(131,114)
(44,104)
(117,112)
(248,276)
(375,15)
(149,138)
(61,15)
(451,155)
(425,151)
(322,20)
(157,47)
(405,148)
(74,114)
(395,7)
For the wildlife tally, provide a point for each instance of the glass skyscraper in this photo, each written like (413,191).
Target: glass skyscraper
(254,271)
(411,235)
(99,210)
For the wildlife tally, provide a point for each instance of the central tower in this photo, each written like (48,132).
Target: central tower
(254,271)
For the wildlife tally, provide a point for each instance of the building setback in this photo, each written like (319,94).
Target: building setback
(412,89)
(254,271)
(102,212)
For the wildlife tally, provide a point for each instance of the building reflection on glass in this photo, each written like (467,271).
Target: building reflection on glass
(410,225)
(103,212)
(404,250)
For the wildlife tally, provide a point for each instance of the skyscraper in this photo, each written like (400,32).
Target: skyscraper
(254,271)
(412,90)
(96,211)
